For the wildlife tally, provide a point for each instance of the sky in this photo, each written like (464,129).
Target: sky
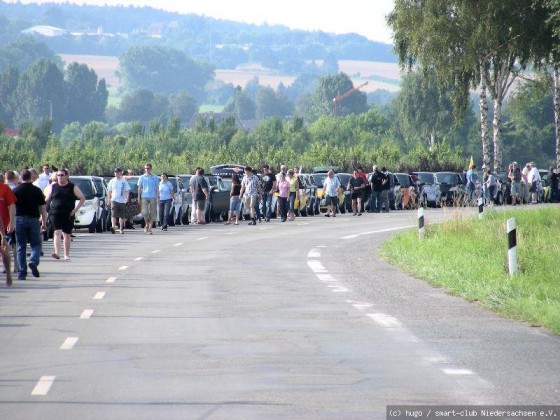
(365,17)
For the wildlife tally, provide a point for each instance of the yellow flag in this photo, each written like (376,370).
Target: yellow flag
(471,162)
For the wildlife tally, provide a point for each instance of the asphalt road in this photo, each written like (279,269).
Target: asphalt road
(295,320)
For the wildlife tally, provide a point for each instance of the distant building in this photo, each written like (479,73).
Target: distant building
(11,132)
(45,30)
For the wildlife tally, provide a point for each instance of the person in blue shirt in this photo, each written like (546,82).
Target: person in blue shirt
(166,198)
(472,178)
(148,195)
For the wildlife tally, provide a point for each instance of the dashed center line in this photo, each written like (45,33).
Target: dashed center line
(138,258)
(43,386)
(111,280)
(178,244)
(314,253)
(155,251)
(123,267)
(316,266)
(99,296)
(86,314)
(69,343)
(386,321)
(457,371)
(201,239)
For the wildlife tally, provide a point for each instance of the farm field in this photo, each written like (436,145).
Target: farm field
(378,75)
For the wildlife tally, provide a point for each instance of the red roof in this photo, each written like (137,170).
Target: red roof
(11,132)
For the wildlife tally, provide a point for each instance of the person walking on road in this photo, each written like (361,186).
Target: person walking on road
(376,190)
(331,185)
(166,198)
(234,200)
(118,194)
(148,195)
(30,207)
(283,195)
(251,191)
(44,178)
(62,196)
(356,187)
(7,217)
(269,187)
(200,191)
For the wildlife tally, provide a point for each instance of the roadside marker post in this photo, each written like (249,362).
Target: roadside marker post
(480,208)
(421,223)
(512,246)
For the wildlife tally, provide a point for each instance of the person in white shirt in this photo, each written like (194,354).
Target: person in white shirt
(118,193)
(533,179)
(44,177)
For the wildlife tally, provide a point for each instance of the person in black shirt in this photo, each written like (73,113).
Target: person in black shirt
(30,206)
(62,196)
(356,187)
(268,190)
(377,179)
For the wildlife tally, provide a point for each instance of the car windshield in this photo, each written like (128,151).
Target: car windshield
(85,186)
(404,180)
(319,179)
(447,178)
(185,179)
(344,178)
(426,178)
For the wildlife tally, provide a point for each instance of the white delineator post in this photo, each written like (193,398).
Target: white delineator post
(421,222)
(512,246)
(480,208)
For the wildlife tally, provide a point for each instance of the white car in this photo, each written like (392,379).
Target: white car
(92,214)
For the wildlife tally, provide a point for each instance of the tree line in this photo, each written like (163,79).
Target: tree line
(483,45)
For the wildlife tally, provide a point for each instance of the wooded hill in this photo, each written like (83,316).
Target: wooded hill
(222,43)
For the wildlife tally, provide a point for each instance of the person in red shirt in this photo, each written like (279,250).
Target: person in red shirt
(7,216)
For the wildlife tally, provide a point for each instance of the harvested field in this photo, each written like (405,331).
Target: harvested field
(378,75)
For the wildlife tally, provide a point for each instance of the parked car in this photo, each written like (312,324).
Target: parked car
(409,191)
(92,215)
(427,192)
(308,196)
(450,189)
(344,197)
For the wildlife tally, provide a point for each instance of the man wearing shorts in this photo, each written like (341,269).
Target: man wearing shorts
(118,192)
(356,187)
(251,189)
(200,191)
(148,195)
(62,196)
(331,185)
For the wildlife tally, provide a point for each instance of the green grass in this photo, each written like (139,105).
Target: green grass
(468,258)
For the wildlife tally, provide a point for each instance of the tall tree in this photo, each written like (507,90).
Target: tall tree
(87,96)
(272,104)
(422,108)
(331,87)
(40,95)
(470,44)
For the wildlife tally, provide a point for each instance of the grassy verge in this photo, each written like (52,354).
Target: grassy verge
(468,258)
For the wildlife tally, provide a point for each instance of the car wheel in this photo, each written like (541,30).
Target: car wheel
(99,225)
(185,216)
(93,225)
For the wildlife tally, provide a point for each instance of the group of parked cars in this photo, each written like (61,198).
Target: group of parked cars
(406,191)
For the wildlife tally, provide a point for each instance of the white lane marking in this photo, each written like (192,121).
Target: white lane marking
(457,371)
(178,244)
(360,306)
(316,266)
(303,224)
(99,296)
(123,267)
(43,385)
(321,246)
(231,233)
(265,228)
(69,343)
(86,314)
(111,280)
(326,278)
(314,253)
(201,239)
(138,258)
(155,251)
(339,289)
(373,232)
(386,321)
(350,236)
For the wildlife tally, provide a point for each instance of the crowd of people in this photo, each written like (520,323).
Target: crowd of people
(29,199)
